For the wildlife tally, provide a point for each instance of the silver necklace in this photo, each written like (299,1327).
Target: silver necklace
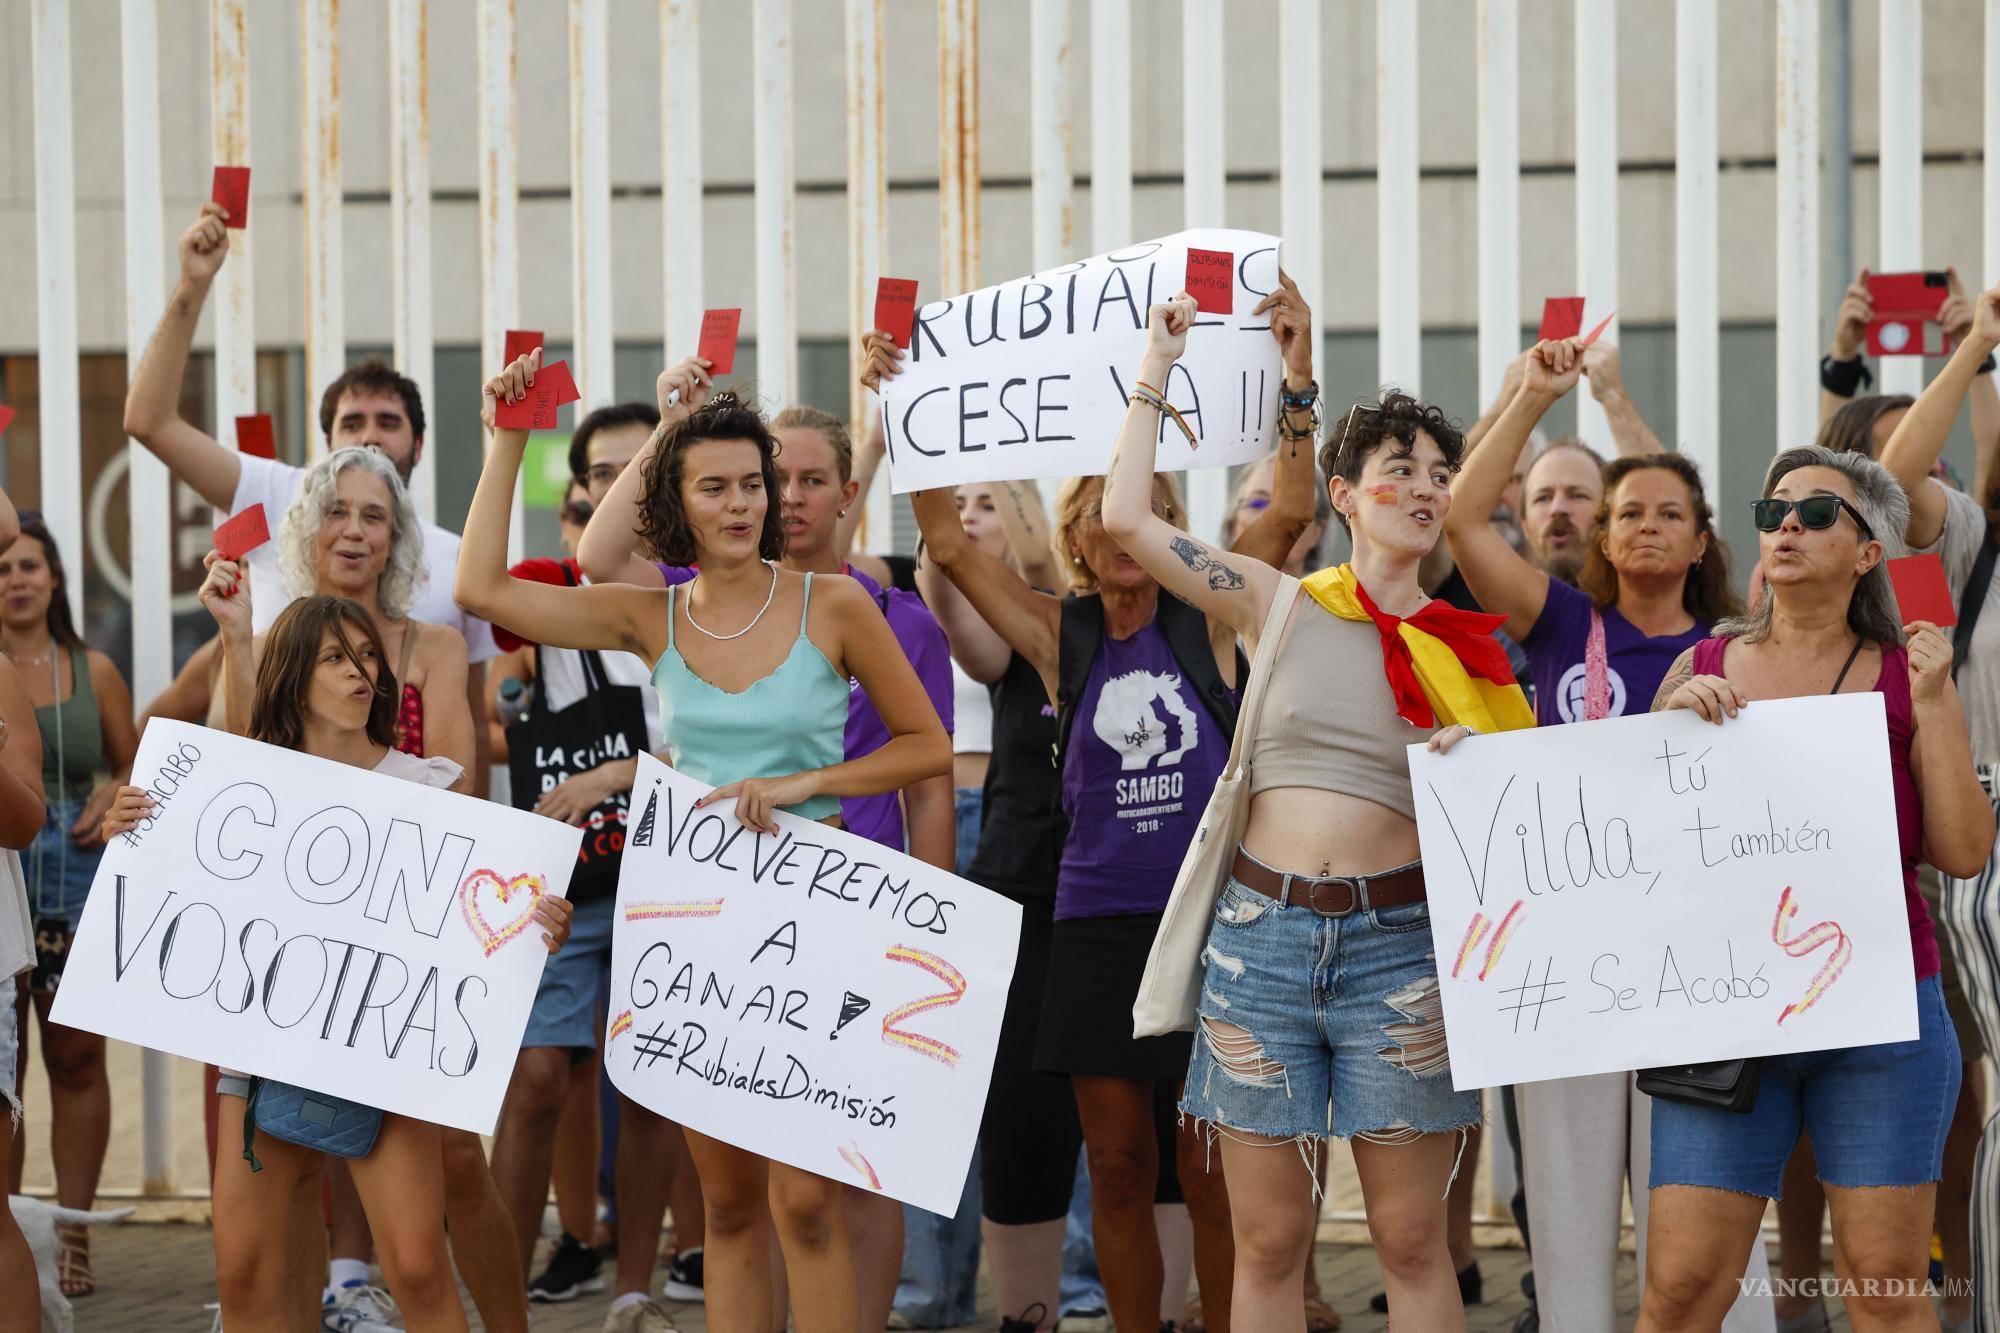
(724,638)
(35,661)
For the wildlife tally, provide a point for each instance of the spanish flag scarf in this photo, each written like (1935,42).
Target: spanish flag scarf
(1444,666)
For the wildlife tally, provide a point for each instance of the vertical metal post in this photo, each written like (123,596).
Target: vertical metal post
(776,143)
(867,231)
(1901,192)
(680,173)
(1398,312)
(958,143)
(1203,183)
(1299,152)
(1836,185)
(1597,187)
(61,409)
(319,122)
(590,202)
(1697,314)
(1798,221)
(229,144)
(410,214)
(1499,209)
(1049,128)
(1110,124)
(499,207)
(1991,168)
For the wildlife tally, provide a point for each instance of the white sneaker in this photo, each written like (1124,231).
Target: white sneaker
(359,1309)
(639,1317)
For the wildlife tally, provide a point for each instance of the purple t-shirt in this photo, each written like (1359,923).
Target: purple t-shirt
(1143,757)
(1555,649)
(880,818)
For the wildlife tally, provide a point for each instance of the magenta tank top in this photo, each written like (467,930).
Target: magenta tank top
(1894,687)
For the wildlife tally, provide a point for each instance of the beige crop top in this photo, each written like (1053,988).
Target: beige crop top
(1329,720)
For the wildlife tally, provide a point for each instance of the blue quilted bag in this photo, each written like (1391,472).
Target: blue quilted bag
(310,1119)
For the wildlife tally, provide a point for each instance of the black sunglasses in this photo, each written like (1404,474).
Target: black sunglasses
(1815,511)
(577,512)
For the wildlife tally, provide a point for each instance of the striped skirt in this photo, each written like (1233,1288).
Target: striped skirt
(1971,917)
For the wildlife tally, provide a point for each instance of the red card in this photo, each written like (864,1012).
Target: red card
(242,534)
(896,308)
(1921,592)
(255,436)
(1211,281)
(520,342)
(1598,332)
(6,418)
(1562,317)
(553,387)
(232,191)
(718,339)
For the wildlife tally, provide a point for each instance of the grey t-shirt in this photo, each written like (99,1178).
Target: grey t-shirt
(1979,681)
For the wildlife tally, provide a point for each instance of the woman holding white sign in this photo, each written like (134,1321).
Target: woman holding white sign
(1877,1115)
(751,704)
(1319,1012)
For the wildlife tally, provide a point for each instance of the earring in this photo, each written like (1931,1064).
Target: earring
(841,514)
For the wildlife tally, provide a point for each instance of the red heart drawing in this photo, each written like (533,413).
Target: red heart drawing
(491,939)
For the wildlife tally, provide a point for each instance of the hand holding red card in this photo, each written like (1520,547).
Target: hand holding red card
(255,437)
(553,387)
(718,340)
(1211,281)
(232,191)
(896,308)
(1921,590)
(520,342)
(1591,338)
(6,418)
(242,534)
(1562,317)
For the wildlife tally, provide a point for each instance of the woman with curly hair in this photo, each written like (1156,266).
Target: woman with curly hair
(752,662)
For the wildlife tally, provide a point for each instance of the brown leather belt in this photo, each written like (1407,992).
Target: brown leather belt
(1333,895)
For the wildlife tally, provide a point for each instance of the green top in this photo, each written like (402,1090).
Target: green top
(72,734)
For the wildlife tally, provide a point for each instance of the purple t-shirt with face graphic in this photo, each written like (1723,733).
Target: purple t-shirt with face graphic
(1556,646)
(1143,757)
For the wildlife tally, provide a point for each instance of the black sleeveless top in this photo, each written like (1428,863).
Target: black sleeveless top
(1021,829)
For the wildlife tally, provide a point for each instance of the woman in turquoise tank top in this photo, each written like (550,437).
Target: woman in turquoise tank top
(752,664)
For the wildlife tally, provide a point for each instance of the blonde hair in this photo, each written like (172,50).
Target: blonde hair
(1069,517)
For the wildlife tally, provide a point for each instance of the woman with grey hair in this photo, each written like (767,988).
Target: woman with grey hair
(1876,1114)
(352,532)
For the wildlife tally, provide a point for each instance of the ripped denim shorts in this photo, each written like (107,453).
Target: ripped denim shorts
(1312,1026)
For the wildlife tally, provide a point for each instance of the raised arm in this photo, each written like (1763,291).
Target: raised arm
(22,804)
(10,522)
(1919,437)
(153,405)
(604,615)
(227,598)
(1958,819)
(609,549)
(1234,589)
(1510,384)
(1850,326)
(1018,504)
(867,461)
(1629,431)
(1504,583)
(1983,396)
(449,728)
(975,645)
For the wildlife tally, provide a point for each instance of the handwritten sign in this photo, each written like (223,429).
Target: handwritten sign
(814,997)
(1656,889)
(328,926)
(1032,378)
(553,387)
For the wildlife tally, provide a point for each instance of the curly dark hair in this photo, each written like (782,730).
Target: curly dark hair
(1395,419)
(664,530)
(1708,594)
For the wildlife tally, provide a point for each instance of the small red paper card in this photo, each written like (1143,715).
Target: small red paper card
(553,387)
(718,339)
(1562,317)
(1921,592)
(520,342)
(6,418)
(896,308)
(1211,281)
(1598,332)
(255,436)
(232,191)
(242,534)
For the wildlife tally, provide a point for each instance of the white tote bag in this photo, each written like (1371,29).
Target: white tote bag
(1172,984)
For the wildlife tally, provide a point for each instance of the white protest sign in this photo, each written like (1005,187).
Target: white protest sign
(815,998)
(323,925)
(1653,890)
(1032,378)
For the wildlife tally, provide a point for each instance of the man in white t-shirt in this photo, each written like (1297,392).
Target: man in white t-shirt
(371,405)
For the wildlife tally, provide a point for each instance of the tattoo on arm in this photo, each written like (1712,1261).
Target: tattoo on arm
(1679,674)
(1221,578)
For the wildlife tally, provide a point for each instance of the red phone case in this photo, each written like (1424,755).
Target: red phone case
(1906,310)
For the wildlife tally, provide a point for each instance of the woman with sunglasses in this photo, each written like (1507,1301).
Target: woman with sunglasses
(1655,577)
(1965,531)
(1876,1114)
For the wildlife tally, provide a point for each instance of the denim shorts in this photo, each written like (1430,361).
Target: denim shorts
(1312,1026)
(10,1046)
(58,874)
(565,1009)
(1877,1116)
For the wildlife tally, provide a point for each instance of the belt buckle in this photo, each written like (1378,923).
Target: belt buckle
(1353,897)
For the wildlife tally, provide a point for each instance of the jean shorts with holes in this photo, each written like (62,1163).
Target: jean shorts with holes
(1312,1026)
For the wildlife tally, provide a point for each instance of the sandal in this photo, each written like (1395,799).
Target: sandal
(73,1261)
(1321,1317)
